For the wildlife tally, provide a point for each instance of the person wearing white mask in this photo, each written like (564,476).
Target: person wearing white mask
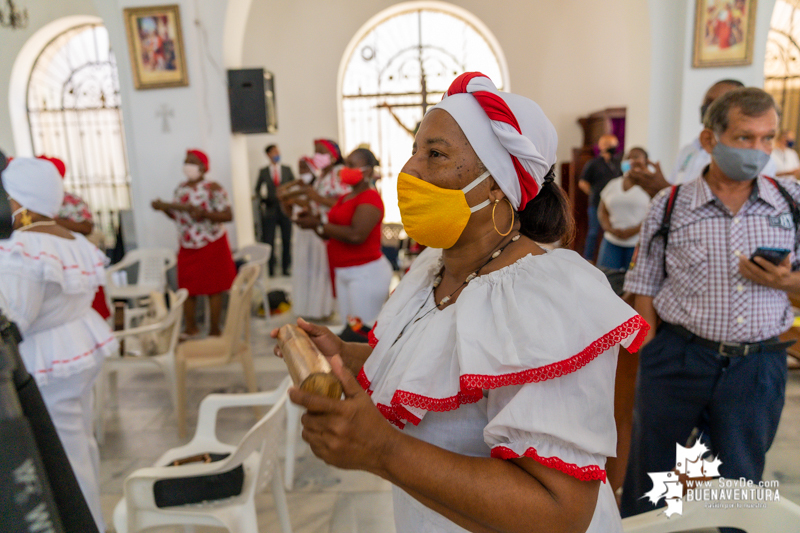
(48,280)
(320,188)
(702,277)
(200,207)
(494,357)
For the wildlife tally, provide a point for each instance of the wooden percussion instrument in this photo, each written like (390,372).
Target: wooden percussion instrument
(309,369)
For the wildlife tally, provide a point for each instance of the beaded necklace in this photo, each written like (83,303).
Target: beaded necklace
(438,279)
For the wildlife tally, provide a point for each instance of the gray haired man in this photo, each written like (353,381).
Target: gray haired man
(712,357)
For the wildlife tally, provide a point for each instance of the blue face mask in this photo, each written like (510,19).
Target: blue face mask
(625,166)
(739,164)
(276,159)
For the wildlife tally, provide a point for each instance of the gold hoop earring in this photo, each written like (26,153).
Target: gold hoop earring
(512,217)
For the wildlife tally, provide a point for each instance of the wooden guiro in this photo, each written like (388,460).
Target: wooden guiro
(309,369)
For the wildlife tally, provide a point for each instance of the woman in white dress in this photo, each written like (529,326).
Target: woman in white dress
(494,357)
(48,280)
(312,287)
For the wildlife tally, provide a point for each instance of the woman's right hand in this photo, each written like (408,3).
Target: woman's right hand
(325,340)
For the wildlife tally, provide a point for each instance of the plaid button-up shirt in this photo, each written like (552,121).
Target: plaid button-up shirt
(703,290)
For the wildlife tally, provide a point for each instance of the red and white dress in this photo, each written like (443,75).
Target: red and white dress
(205,262)
(523,364)
(312,290)
(74,208)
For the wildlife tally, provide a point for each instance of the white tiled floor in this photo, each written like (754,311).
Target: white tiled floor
(141,425)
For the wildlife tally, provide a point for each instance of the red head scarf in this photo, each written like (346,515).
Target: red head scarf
(200,155)
(332,147)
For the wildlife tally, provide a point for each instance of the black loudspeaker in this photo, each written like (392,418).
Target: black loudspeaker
(251,93)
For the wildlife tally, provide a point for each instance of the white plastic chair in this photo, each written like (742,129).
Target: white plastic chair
(258,253)
(257,452)
(153,266)
(169,325)
(233,345)
(778,516)
(293,414)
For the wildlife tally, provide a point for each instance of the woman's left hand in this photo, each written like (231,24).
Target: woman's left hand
(349,433)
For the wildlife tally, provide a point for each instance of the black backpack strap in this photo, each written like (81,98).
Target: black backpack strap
(789,200)
(663,230)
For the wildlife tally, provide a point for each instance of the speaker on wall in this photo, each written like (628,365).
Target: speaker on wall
(251,94)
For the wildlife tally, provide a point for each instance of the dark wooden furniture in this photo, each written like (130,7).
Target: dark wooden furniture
(594,125)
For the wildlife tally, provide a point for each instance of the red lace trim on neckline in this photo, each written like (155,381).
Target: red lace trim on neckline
(583,473)
(473,385)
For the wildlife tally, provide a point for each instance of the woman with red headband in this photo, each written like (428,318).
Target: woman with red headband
(353,234)
(494,356)
(312,291)
(205,262)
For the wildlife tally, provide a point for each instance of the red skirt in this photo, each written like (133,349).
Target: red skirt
(206,270)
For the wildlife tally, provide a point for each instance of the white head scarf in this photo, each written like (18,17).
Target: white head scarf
(35,184)
(471,100)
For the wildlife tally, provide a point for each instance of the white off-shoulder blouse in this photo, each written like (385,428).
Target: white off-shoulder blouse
(522,365)
(48,284)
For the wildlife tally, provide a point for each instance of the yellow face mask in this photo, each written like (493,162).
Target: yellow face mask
(434,216)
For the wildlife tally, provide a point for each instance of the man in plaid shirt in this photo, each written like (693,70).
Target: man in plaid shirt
(714,361)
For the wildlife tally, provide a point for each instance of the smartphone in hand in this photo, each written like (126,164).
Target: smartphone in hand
(773,255)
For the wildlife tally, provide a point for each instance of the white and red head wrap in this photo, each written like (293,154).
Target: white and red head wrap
(509,133)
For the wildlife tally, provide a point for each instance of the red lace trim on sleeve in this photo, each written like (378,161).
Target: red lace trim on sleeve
(585,473)
(567,366)
(371,338)
(473,385)
(363,380)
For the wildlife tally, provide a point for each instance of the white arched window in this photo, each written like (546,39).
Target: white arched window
(399,64)
(782,62)
(73,111)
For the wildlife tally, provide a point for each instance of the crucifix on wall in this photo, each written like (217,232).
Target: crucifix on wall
(165,112)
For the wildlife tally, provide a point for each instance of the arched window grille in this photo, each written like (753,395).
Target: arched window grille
(73,105)
(399,68)
(782,62)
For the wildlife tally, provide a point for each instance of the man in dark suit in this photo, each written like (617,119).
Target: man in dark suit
(269,179)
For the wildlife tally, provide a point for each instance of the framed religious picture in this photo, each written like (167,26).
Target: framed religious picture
(723,33)
(156,47)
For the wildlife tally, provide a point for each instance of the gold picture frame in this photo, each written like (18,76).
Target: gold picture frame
(155,44)
(723,33)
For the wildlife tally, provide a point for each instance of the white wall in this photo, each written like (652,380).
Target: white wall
(677,88)
(573,57)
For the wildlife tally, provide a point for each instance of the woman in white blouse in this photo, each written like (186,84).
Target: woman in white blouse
(48,279)
(623,207)
(494,357)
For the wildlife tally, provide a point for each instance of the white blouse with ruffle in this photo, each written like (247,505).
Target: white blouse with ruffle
(48,284)
(523,364)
